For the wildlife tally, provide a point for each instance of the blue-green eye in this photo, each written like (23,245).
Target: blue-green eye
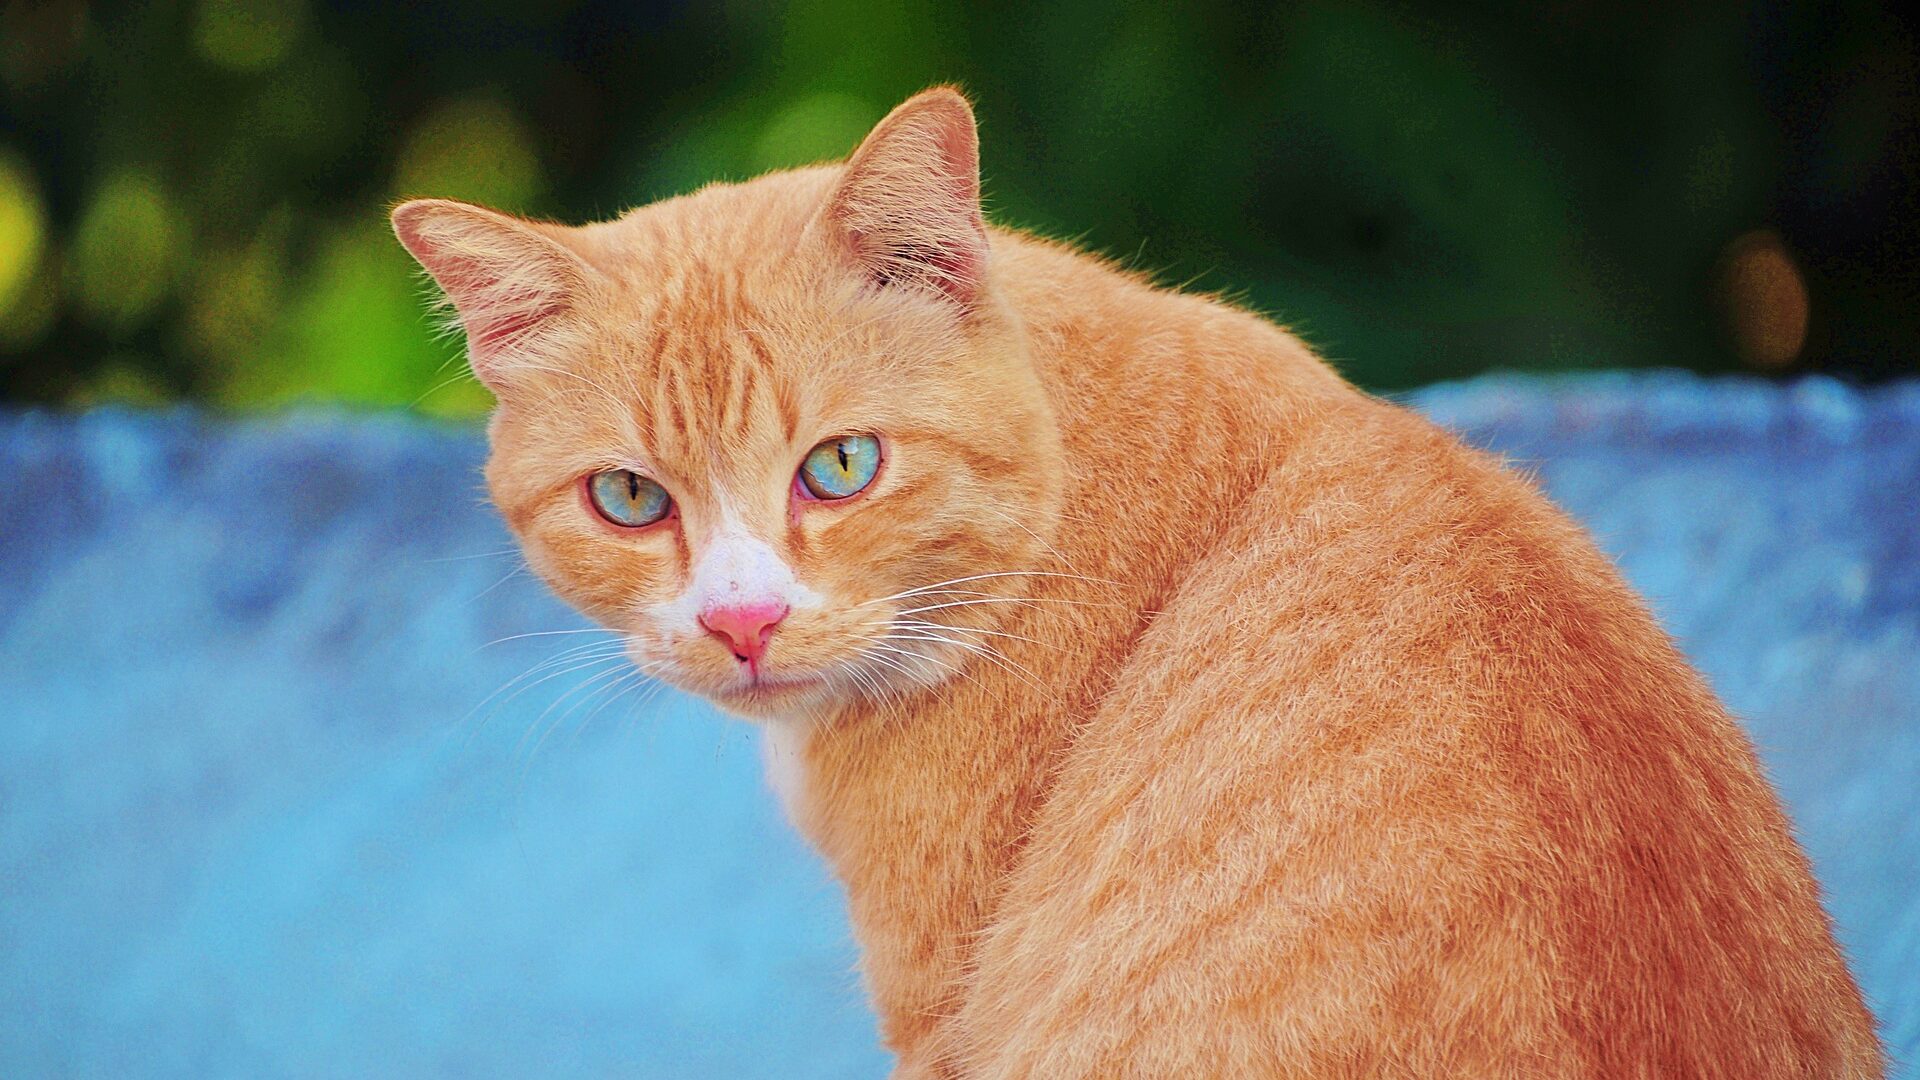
(841,466)
(626,498)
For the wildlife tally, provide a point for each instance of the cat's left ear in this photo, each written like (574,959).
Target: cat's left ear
(908,205)
(512,283)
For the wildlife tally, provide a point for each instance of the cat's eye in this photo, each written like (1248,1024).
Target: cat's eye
(841,467)
(628,499)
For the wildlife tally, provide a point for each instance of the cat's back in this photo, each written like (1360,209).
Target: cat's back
(1401,776)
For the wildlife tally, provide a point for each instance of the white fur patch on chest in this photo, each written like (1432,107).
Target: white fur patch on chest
(783,744)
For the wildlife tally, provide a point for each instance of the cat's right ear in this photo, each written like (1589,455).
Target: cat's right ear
(908,205)
(511,285)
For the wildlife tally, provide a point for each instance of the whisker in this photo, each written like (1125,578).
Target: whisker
(591,652)
(990,655)
(1006,600)
(920,656)
(462,376)
(519,569)
(601,390)
(581,657)
(860,678)
(894,664)
(921,624)
(588,665)
(539,722)
(548,633)
(885,694)
(476,555)
(985,577)
(1002,514)
(619,689)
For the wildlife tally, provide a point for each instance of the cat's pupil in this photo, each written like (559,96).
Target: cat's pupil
(842,448)
(633,487)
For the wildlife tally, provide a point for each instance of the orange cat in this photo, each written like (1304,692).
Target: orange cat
(1168,706)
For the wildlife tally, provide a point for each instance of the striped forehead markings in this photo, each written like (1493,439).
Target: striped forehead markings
(707,389)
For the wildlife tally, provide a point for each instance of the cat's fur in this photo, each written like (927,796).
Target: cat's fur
(1306,742)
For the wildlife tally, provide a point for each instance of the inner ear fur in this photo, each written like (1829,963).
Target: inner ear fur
(908,206)
(511,285)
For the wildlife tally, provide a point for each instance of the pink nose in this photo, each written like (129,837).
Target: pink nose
(744,627)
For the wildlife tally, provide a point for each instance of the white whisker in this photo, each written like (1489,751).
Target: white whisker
(921,624)
(539,722)
(986,577)
(990,655)
(476,555)
(519,569)
(548,633)
(1004,600)
(582,653)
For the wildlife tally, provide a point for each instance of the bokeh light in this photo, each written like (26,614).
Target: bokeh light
(247,35)
(127,248)
(30,314)
(235,300)
(474,148)
(1765,299)
(22,230)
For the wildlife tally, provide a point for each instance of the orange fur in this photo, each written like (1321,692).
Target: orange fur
(1289,737)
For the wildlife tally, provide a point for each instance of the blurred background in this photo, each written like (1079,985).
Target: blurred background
(192,192)
(330,791)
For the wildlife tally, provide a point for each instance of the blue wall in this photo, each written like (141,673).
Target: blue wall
(259,816)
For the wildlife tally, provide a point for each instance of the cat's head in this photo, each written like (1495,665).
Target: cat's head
(784,435)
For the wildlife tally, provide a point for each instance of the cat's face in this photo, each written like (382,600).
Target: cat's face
(783,435)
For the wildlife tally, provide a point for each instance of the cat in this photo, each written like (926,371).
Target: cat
(1167,706)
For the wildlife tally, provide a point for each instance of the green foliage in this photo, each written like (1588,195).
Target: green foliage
(193,194)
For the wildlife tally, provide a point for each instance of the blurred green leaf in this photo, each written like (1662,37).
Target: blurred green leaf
(127,249)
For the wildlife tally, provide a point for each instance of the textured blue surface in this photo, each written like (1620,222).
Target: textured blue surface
(256,821)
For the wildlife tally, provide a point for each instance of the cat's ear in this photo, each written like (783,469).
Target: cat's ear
(909,203)
(511,285)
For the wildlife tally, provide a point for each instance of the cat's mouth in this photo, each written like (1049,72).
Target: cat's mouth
(758,686)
